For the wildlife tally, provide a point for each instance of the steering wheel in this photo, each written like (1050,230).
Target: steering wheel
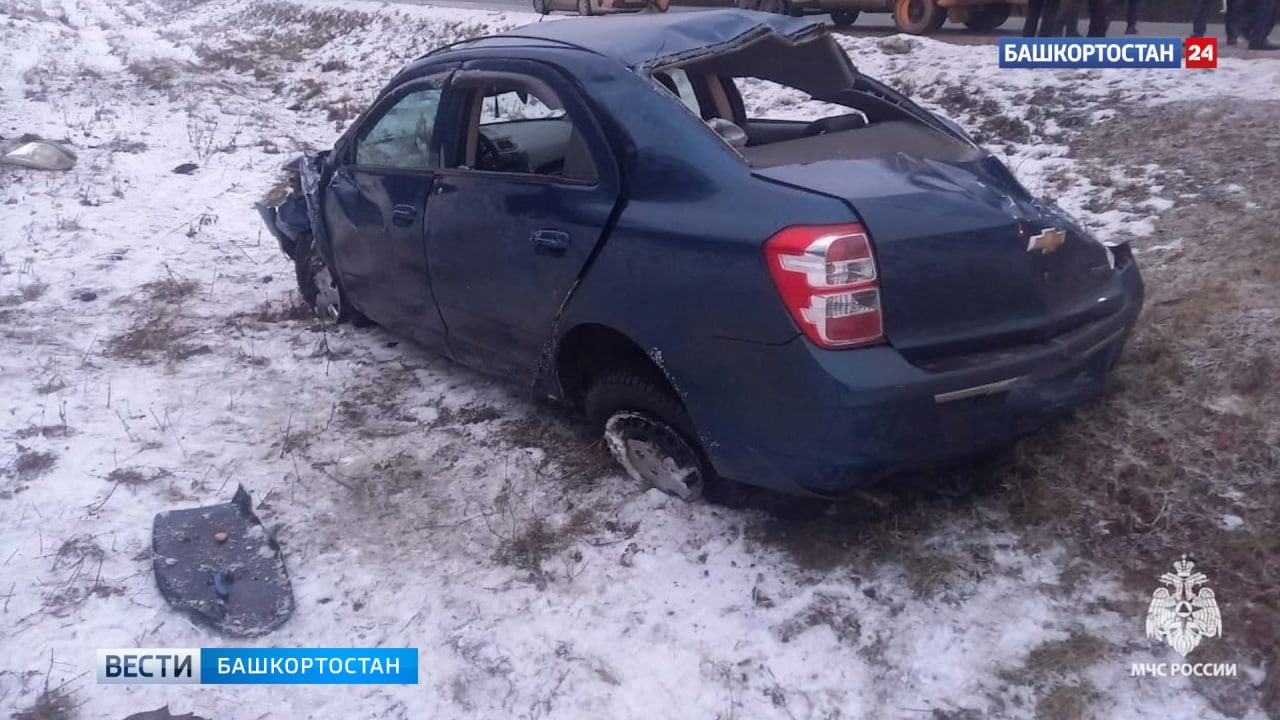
(487,155)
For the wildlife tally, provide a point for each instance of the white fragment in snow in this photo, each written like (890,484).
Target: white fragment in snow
(1230,405)
(897,45)
(1172,246)
(1231,522)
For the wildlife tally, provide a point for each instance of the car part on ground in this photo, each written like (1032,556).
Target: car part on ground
(221,567)
(38,155)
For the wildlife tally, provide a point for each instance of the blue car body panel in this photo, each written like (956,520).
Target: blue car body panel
(666,248)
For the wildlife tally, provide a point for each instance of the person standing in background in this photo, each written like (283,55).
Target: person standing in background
(1068,22)
(1231,18)
(1042,18)
(1259,22)
(1098,20)
(1132,8)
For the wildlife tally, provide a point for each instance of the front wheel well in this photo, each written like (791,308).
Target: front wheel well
(589,351)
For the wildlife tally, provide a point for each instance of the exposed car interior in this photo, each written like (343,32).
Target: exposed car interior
(522,127)
(818,70)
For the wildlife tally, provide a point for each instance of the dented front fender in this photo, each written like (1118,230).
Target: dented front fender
(296,214)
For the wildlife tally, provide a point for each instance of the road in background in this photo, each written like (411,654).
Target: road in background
(882,24)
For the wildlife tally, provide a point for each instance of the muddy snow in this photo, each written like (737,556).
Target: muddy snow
(153,356)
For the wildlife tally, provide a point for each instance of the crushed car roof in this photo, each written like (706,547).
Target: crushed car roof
(642,41)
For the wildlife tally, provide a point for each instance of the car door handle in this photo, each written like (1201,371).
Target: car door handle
(550,242)
(403,215)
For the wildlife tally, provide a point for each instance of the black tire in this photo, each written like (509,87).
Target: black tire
(308,266)
(646,393)
(584,7)
(844,18)
(542,7)
(778,7)
(747,4)
(918,17)
(986,18)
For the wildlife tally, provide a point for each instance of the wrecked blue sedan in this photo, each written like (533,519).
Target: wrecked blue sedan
(587,206)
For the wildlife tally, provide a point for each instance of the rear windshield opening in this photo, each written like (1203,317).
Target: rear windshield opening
(778,102)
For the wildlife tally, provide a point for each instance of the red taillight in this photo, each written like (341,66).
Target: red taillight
(827,277)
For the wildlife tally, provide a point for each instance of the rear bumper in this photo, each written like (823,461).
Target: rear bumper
(827,422)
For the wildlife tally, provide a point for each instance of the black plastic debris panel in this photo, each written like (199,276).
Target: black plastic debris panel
(220,566)
(163,714)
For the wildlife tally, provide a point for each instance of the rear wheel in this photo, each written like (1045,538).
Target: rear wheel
(319,287)
(986,18)
(584,7)
(918,17)
(650,435)
(542,7)
(778,7)
(844,18)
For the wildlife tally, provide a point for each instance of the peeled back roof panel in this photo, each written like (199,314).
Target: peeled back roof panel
(640,41)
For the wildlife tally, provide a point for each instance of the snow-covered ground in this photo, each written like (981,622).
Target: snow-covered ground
(152,357)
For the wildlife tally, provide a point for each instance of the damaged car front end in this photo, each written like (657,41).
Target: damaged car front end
(289,215)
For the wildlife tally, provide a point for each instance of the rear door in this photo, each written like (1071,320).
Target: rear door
(526,192)
(375,206)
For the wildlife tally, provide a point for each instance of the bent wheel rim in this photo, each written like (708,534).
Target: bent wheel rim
(654,454)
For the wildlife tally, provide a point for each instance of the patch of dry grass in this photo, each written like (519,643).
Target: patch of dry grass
(171,289)
(51,704)
(157,335)
(1066,701)
(827,611)
(28,464)
(1184,456)
(133,476)
(155,73)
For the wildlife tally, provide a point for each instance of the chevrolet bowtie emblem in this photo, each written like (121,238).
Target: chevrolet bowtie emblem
(1047,241)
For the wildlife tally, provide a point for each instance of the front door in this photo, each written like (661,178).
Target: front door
(375,206)
(527,189)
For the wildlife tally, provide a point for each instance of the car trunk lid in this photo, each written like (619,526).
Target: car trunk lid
(969,261)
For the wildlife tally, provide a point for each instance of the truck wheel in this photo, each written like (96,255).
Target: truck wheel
(649,433)
(918,17)
(778,7)
(844,18)
(986,18)
(747,4)
(319,288)
(542,7)
(584,7)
